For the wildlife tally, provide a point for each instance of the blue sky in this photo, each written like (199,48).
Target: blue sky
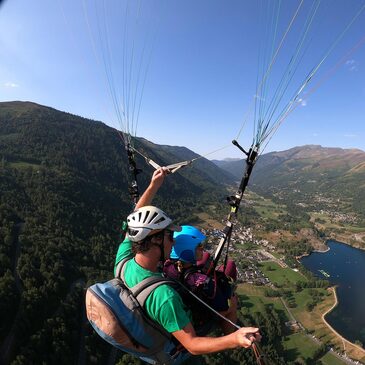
(202,61)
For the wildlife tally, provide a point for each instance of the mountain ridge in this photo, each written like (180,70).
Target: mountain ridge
(305,172)
(40,136)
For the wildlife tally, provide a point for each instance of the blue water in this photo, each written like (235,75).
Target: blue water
(346,265)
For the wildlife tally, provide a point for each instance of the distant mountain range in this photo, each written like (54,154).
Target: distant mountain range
(317,156)
(303,172)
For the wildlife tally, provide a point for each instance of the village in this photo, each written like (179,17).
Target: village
(248,270)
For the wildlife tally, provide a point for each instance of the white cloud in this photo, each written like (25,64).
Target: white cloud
(259,97)
(351,65)
(350,135)
(302,102)
(11,84)
(315,134)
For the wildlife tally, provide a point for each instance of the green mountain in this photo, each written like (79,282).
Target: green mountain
(312,176)
(42,140)
(63,195)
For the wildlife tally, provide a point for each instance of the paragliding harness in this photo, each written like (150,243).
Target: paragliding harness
(215,291)
(202,286)
(117,314)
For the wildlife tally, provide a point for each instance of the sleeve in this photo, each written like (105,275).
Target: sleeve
(124,250)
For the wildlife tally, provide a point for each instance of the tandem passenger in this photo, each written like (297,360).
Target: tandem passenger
(148,242)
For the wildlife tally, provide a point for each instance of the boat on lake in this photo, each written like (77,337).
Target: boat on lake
(324,273)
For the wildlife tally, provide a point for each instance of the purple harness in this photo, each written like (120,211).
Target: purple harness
(192,279)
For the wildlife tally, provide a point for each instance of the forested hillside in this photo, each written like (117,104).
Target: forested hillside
(64,193)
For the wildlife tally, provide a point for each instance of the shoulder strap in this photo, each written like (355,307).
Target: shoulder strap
(189,271)
(119,271)
(143,289)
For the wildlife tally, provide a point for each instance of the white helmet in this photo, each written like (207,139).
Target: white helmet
(148,220)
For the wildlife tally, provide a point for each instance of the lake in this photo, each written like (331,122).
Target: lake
(346,267)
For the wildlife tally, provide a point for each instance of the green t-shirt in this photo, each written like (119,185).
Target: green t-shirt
(164,304)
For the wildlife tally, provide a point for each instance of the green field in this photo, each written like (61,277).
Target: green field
(10,137)
(23,165)
(254,297)
(266,208)
(354,229)
(299,344)
(303,297)
(284,277)
(330,359)
(277,255)
(335,225)
(269,210)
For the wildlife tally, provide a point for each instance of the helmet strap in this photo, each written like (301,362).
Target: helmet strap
(162,248)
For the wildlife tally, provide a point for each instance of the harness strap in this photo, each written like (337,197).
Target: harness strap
(189,271)
(143,289)
(147,286)
(119,271)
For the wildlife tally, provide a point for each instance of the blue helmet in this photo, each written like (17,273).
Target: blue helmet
(185,244)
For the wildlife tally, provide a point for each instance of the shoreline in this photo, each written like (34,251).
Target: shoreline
(322,251)
(333,289)
(328,248)
(308,254)
(342,239)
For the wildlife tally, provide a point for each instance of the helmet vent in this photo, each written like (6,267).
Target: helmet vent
(145,218)
(153,217)
(160,220)
(132,232)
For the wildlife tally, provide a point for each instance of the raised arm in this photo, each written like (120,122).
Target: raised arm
(156,181)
